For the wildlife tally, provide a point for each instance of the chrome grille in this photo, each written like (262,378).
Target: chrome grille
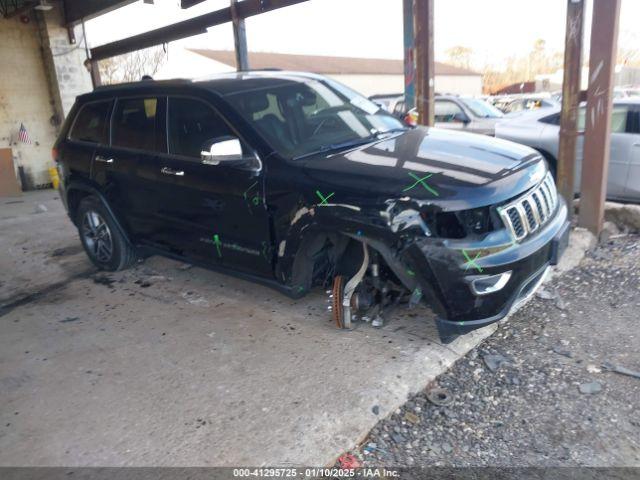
(528,213)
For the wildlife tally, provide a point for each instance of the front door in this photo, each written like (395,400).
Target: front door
(448,114)
(213,214)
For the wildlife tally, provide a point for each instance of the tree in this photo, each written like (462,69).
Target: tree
(460,56)
(132,66)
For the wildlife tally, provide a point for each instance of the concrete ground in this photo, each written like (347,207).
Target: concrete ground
(162,365)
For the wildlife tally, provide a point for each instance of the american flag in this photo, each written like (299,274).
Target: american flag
(23,135)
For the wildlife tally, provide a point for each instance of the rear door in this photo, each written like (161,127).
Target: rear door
(211,213)
(89,131)
(137,134)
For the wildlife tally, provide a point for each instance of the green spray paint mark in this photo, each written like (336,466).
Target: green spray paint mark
(411,272)
(218,244)
(421,181)
(255,199)
(265,250)
(470,262)
(323,198)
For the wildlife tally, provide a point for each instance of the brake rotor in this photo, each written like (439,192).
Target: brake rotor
(336,301)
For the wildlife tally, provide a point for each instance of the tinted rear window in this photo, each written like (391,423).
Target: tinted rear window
(91,123)
(140,123)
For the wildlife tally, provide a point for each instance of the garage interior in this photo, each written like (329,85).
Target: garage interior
(71,335)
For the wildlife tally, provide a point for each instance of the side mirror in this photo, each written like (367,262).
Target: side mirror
(460,117)
(229,150)
(225,149)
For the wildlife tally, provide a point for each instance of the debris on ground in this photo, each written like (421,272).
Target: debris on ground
(494,361)
(439,396)
(40,208)
(609,367)
(562,351)
(411,418)
(69,319)
(103,280)
(591,368)
(590,387)
(348,462)
(195,299)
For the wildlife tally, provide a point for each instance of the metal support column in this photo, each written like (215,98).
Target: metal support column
(570,100)
(423,33)
(409,56)
(94,71)
(239,38)
(595,166)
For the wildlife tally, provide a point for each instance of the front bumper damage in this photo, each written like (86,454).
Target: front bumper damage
(444,271)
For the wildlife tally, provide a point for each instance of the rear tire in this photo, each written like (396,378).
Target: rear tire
(105,245)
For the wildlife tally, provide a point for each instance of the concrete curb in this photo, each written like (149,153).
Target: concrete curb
(625,216)
(581,241)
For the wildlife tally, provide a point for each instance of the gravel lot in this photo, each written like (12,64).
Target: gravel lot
(535,393)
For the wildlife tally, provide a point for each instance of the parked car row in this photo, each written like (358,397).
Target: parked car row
(540,129)
(466,114)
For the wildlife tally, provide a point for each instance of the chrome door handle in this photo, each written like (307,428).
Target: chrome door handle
(100,158)
(171,171)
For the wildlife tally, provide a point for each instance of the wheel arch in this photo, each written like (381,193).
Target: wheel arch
(76,191)
(552,161)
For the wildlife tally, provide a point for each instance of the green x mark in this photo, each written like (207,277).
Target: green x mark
(421,181)
(323,198)
(470,262)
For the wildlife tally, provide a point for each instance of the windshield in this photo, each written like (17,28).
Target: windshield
(300,118)
(480,108)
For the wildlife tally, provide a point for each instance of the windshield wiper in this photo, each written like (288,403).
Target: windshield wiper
(351,143)
(391,130)
(339,146)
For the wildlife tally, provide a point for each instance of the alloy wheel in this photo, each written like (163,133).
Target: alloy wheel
(97,236)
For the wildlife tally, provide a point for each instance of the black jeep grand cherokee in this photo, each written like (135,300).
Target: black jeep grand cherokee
(293,180)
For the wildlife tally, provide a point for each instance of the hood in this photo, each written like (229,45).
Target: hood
(453,170)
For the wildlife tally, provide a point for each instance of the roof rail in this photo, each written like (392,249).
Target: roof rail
(143,82)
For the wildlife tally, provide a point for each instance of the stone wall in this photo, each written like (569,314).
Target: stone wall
(40,75)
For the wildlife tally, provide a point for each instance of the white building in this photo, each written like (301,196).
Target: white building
(552,82)
(368,76)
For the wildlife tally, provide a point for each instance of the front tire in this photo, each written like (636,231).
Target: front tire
(105,245)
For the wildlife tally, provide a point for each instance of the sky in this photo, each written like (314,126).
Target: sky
(494,29)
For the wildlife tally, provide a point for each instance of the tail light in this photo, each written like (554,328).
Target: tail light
(54,154)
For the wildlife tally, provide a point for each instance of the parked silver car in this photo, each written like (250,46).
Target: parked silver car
(464,114)
(540,129)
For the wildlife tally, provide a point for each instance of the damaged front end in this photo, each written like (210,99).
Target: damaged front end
(465,225)
(472,267)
